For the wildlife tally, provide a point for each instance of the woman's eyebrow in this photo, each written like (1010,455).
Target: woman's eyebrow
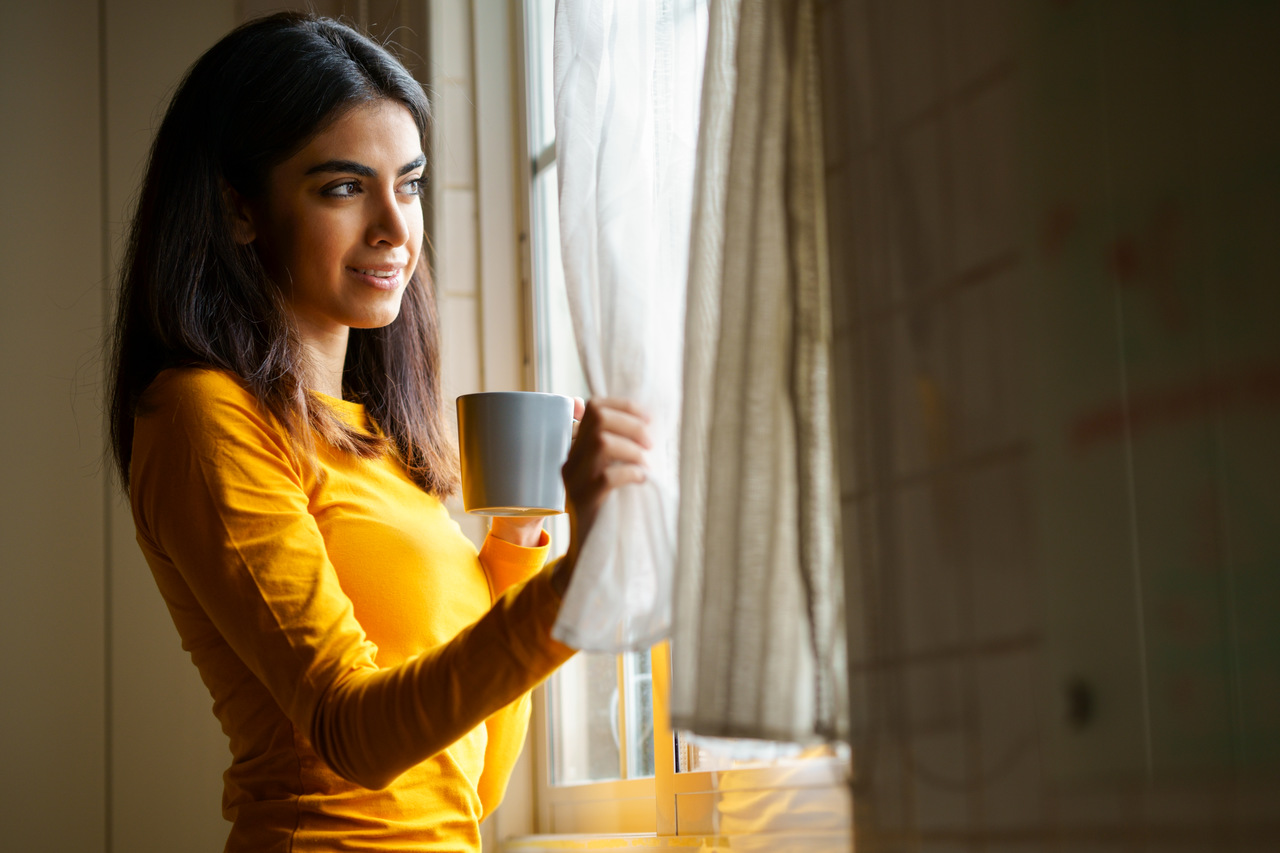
(351,167)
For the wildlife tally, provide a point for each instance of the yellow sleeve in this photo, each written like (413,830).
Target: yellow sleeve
(219,496)
(506,565)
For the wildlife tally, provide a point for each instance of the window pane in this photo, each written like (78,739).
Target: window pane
(539,16)
(582,699)
(559,369)
(588,717)
(587,709)
(639,685)
(600,706)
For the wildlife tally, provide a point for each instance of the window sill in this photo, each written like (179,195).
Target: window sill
(799,807)
(818,841)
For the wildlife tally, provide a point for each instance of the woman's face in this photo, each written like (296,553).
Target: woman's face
(340,225)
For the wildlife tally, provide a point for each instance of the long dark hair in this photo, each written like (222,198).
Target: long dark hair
(191,295)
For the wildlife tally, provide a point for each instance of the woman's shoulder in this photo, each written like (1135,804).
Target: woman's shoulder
(199,394)
(192,386)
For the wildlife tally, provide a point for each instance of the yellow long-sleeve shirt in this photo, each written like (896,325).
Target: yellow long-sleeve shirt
(369,668)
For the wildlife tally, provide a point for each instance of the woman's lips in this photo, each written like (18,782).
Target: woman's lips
(385,278)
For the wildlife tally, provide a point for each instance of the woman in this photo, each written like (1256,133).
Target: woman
(277,417)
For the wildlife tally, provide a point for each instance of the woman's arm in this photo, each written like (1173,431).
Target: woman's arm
(434,699)
(222,514)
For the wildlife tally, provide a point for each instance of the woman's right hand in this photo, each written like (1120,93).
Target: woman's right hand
(609,452)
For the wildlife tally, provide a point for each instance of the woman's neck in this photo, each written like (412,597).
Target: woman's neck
(326,355)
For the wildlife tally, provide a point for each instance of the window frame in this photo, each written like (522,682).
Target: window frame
(626,804)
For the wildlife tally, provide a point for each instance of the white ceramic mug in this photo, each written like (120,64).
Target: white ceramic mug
(513,444)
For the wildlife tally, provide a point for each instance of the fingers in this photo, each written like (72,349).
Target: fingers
(621,417)
(609,451)
(620,475)
(619,448)
(620,404)
(609,435)
(595,456)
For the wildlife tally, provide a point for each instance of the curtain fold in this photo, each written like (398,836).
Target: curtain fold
(758,636)
(626,77)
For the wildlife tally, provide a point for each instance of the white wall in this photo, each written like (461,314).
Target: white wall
(108,739)
(52,581)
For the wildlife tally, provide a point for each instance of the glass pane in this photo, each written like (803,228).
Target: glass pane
(559,369)
(639,687)
(588,716)
(583,705)
(580,749)
(539,16)
(583,694)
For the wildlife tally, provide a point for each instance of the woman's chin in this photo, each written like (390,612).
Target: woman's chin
(378,318)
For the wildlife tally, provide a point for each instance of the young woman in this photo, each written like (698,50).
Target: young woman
(277,418)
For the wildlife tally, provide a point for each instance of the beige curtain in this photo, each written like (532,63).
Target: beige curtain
(758,636)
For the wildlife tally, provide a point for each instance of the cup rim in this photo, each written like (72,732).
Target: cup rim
(514,394)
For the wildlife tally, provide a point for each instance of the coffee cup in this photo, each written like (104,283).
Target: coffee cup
(512,445)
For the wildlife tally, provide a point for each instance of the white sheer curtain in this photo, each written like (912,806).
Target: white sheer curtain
(627,76)
(758,643)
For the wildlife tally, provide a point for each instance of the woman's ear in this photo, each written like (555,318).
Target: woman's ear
(239,215)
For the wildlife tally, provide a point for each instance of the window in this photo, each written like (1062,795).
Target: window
(606,761)
(598,706)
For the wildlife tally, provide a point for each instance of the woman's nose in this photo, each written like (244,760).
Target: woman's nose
(388,220)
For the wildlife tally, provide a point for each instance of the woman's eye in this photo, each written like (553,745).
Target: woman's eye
(346,189)
(413,187)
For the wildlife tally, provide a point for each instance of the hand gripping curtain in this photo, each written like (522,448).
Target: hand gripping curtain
(758,637)
(627,77)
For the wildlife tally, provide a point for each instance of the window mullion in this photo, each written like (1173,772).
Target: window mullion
(664,765)
(544,158)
